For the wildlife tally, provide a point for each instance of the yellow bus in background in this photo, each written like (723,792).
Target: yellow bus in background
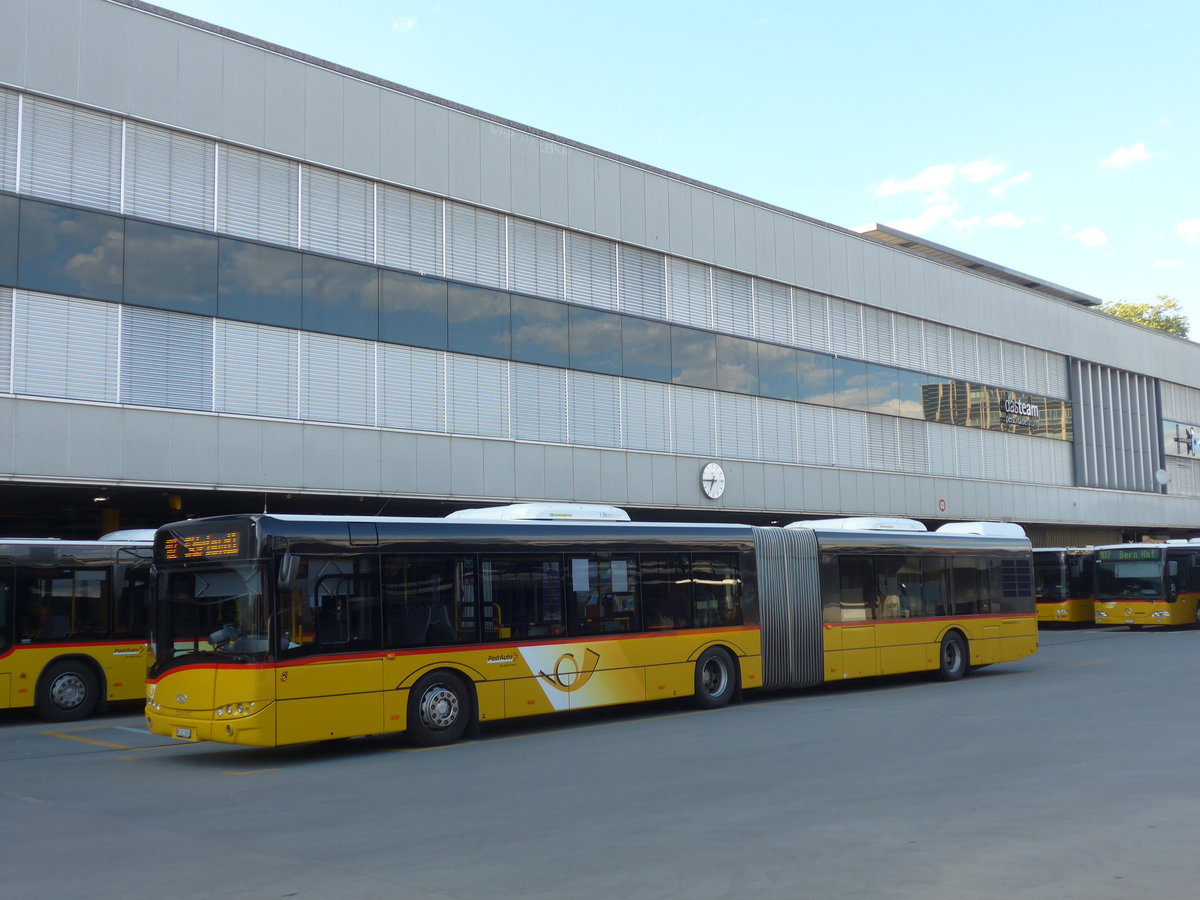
(73,622)
(1148,584)
(273,629)
(1064,584)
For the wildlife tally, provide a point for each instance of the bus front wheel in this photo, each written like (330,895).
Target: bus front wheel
(439,709)
(953,657)
(69,690)
(715,679)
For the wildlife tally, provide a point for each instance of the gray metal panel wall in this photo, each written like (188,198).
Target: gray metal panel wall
(789,602)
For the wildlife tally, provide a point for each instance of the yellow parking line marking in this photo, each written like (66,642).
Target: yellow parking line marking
(252,771)
(83,740)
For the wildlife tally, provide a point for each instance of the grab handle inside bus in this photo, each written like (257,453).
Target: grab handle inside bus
(288,566)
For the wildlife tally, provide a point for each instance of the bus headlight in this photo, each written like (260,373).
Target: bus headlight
(1160,614)
(1101,615)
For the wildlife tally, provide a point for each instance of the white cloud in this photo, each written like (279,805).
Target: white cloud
(932,179)
(1126,156)
(929,217)
(1189,230)
(999,189)
(1006,220)
(964,224)
(981,170)
(1167,263)
(1091,236)
(403,24)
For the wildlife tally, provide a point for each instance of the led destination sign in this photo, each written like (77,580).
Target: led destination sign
(203,546)
(1126,555)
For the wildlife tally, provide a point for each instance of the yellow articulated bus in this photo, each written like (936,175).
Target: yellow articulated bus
(1064,584)
(274,629)
(1148,584)
(73,622)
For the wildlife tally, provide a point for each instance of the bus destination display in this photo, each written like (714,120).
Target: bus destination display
(203,546)
(1128,554)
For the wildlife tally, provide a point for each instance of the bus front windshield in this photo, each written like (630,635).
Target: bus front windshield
(1122,579)
(211,610)
(1050,580)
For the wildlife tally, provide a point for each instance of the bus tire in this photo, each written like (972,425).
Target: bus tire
(439,709)
(716,681)
(953,660)
(69,690)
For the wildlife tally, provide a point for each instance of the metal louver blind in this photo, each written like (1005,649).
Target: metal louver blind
(591,271)
(879,342)
(643,282)
(995,456)
(594,409)
(850,438)
(965,354)
(6,312)
(539,397)
(992,368)
(937,349)
(845,328)
(412,388)
(478,394)
(259,196)
(811,320)
(337,214)
(646,414)
(256,370)
(1056,380)
(169,176)
(475,246)
(883,451)
(814,428)
(913,446)
(777,424)
(9,107)
(535,255)
(410,231)
(733,303)
(337,379)
(943,450)
(71,154)
(773,312)
(692,418)
(166,359)
(1015,374)
(689,299)
(968,444)
(65,348)
(910,346)
(737,430)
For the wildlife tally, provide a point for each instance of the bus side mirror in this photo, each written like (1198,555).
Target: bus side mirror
(288,567)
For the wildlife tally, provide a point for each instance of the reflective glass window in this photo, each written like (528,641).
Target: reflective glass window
(169,268)
(340,297)
(595,341)
(57,603)
(737,365)
(334,606)
(693,357)
(479,321)
(816,377)
(850,384)
(428,600)
(256,283)
(717,589)
(69,251)
(910,389)
(972,593)
(646,350)
(849,593)
(602,588)
(778,372)
(539,331)
(883,390)
(521,597)
(9,207)
(666,591)
(412,310)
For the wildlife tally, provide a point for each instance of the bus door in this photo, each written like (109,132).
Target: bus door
(851,613)
(329,681)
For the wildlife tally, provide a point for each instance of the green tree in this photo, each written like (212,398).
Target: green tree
(1165,315)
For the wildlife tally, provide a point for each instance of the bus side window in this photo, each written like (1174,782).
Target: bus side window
(666,591)
(718,590)
(855,598)
(970,580)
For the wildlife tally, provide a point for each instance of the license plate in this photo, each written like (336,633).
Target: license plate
(183,733)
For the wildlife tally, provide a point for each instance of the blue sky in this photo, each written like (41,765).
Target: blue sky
(1058,138)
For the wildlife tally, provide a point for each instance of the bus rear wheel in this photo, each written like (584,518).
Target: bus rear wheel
(439,709)
(715,679)
(952,657)
(69,690)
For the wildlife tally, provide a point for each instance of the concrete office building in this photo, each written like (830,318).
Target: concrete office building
(230,273)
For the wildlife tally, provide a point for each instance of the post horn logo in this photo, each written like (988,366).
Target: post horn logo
(568,675)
